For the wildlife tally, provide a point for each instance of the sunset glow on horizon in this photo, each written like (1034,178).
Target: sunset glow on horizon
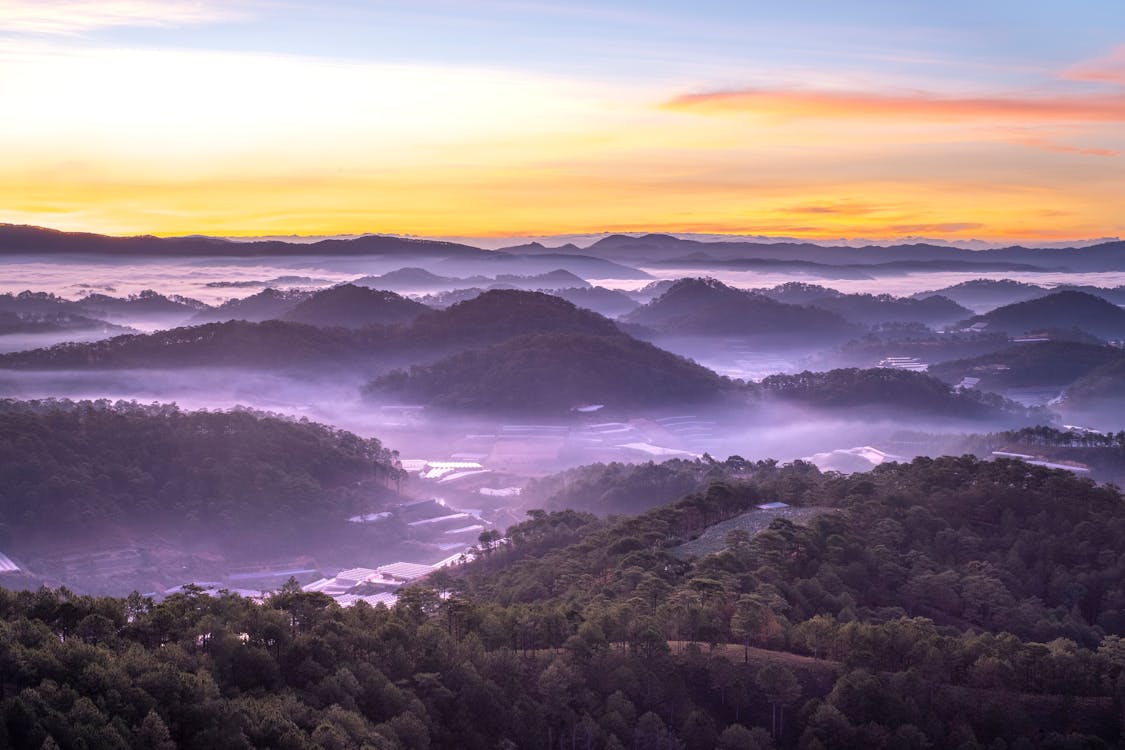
(512,118)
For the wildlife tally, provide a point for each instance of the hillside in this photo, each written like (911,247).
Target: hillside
(1067,309)
(551,374)
(706,307)
(500,314)
(493,317)
(39,303)
(609,302)
(942,603)
(417,280)
(145,304)
(1103,383)
(1047,363)
(873,309)
(18,239)
(893,392)
(987,294)
(59,322)
(351,306)
(236,343)
(268,304)
(869,309)
(80,465)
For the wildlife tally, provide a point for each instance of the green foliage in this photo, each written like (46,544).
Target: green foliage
(1043,363)
(888,388)
(77,464)
(614,488)
(941,603)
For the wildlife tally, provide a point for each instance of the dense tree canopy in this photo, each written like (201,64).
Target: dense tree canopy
(88,463)
(547,373)
(942,603)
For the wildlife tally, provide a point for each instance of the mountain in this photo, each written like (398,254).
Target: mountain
(146,304)
(797,292)
(29,240)
(983,295)
(551,374)
(609,302)
(268,304)
(872,309)
(493,317)
(39,303)
(895,392)
(869,309)
(350,306)
(500,314)
(417,280)
(1102,384)
(1047,363)
(58,322)
(1107,256)
(271,344)
(706,307)
(1060,310)
(97,464)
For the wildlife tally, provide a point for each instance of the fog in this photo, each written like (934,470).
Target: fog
(509,449)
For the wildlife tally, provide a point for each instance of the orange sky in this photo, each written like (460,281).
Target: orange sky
(126,135)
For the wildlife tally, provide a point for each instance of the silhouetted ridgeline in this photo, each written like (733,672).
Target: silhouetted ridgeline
(943,603)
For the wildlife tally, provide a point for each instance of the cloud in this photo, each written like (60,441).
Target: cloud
(1046,145)
(846,209)
(912,106)
(1107,69)
(70,17)
(941,227)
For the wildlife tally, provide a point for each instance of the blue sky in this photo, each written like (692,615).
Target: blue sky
(496,117)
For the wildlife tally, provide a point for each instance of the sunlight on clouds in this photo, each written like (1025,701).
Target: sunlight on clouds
(173,142)
(198,110)
(78,16)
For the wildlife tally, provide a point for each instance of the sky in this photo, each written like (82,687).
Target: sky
(1000,120)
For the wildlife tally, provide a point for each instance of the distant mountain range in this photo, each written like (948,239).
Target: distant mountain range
(614,249)
(448,257)
(667,248)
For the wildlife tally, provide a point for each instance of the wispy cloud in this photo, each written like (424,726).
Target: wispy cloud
(1047,145)
(71,17)
(962,226)
(1107,69)
(913,106)
(844,209)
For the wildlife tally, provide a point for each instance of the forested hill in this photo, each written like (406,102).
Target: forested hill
(946,603)
(352,306)
(1061,310)
(887,389)
(71,465)
(709,307)
(552,373)
(270,344)
(491,318)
